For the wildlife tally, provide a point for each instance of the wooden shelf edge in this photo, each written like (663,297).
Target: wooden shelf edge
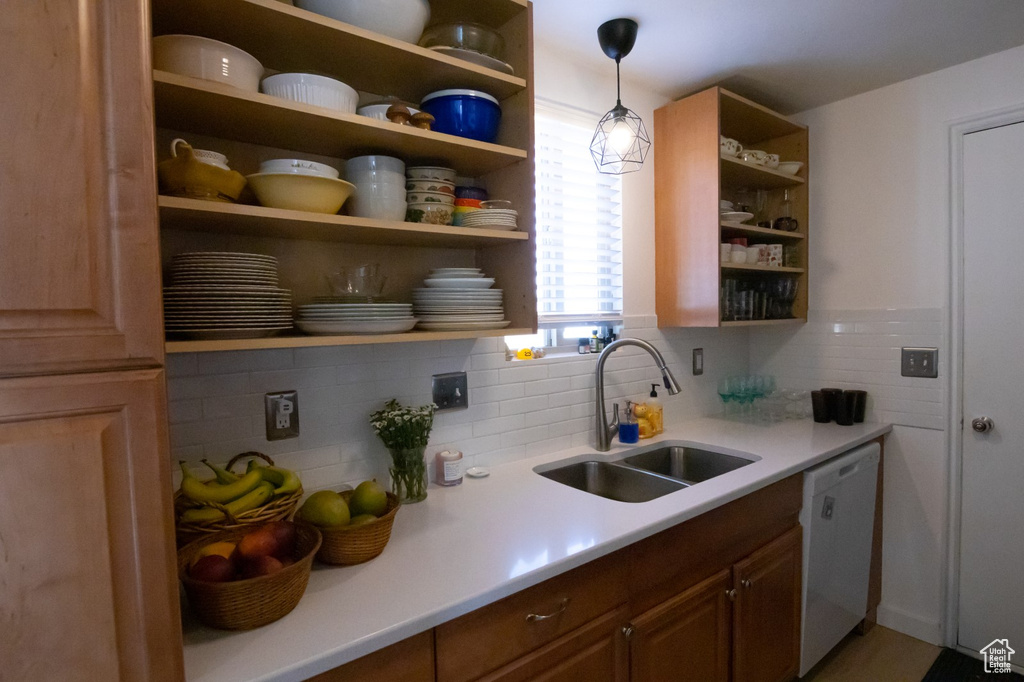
(314,341)
(763,109)
(244,218)
(794,179)
(761,268)
(754,229)
(762,323)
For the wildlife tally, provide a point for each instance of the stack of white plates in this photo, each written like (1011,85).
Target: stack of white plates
(459,299)
(492,219)
(355,318)
(225,296)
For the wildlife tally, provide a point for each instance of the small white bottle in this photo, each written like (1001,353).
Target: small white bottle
(449,467)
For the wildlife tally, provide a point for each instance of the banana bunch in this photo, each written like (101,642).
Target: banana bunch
(236,493)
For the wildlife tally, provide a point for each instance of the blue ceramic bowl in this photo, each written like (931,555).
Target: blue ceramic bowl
(466,113)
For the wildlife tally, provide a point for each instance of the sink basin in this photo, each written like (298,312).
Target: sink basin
(613,481)
(690,465)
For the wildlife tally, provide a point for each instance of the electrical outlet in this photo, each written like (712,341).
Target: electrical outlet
(451,391)
(282,412)
(698,361)
(920,362)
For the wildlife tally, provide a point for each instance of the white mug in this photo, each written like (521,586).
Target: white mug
(771,161)
(729,146)
(725,253)
(754,156)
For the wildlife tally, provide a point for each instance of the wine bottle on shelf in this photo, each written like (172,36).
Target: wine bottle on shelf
(786,222)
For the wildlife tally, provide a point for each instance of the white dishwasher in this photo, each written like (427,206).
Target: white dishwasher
(838,521)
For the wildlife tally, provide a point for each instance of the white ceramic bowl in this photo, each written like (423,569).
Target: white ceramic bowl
(378,208)
(431,173)
(374,162)
(380,111)
(208,59)
(382,190)
(389,178)
(299,167)
(310,88)
(430,186)
(401,19)
(300,192)
(434,214)
(791,167)
(430,198)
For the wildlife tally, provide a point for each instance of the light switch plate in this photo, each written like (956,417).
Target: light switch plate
(282,411)
(451,391)
(698,361)
(920,362)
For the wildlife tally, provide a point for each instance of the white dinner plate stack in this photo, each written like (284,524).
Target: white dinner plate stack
(355,318)
(492,219)
(459,299)
(225,296)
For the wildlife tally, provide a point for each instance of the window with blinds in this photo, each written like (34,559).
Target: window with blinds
(579,223)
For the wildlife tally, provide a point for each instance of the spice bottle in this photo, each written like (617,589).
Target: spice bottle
(449,467)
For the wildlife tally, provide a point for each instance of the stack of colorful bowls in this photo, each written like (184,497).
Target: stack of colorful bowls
(380,187)
(467,200)
(430,193)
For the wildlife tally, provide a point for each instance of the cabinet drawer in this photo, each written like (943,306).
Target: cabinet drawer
(490,637)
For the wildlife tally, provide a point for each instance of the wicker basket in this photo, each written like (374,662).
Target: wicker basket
(347,545)
(254,602)
(279,508)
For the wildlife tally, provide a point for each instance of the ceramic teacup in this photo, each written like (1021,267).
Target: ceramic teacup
(754,156)
(771,161)
(729,146)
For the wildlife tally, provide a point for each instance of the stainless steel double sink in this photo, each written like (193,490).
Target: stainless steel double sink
(644,474)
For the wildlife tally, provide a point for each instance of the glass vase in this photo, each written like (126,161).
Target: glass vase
(408,474)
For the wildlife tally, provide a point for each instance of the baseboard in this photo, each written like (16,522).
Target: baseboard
(910,624)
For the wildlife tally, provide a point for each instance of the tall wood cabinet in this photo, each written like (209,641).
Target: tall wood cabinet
(87,579)
(692,175)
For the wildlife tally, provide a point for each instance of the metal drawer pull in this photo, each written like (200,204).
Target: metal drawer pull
(535,618)
(628,631)
(747,583)
(731,594)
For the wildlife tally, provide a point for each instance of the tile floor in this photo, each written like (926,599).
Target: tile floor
(882,655)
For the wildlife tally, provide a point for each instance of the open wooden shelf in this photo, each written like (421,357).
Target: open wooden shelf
(761,268)
(286,38)
(739,173)
(351,340)
(745,120)
(760,231)
(761,323)
(209,108)
(210,216)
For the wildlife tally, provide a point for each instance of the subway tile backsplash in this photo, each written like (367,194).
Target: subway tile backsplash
(860,349)
(517,409)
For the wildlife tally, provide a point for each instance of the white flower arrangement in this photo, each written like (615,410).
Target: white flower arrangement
(401,427)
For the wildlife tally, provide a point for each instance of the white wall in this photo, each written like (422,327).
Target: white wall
(879,223)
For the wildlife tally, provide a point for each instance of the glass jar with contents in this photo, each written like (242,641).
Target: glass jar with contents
(449,467)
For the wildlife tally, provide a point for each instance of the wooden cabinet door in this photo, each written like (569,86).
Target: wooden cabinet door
(766,644)
(88,589)
(687,638)
(596,652)
(79,250)
(411,660)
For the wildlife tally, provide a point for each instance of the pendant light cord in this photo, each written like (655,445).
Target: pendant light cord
(618,84)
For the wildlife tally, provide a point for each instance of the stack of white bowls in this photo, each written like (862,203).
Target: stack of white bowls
(380,187)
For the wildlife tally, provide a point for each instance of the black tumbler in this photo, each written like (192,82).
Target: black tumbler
(861,404)
(832,396)
(820,406)
(846,404)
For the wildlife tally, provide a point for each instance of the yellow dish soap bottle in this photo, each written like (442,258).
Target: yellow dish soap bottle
(655,411)
(643,419)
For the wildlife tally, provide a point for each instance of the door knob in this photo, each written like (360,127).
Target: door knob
(982,424)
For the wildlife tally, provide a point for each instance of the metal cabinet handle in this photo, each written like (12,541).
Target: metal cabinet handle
(982,424)
(747,583)
(731,594)
(628,631)
(536,618)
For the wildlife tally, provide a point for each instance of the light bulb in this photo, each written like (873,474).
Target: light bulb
(621,138)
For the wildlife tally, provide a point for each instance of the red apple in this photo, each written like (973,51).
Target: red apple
(285,535)
(260,542)
(261,565)
(213,568)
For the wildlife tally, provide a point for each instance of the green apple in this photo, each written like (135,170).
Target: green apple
(369,497)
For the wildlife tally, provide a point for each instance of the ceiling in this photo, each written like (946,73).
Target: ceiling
(791,55)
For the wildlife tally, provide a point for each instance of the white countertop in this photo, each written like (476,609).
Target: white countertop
(470,545)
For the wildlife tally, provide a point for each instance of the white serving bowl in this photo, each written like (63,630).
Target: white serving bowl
(208,59)
(380,111)
(299,167)
(300,192)
(377,207)
(446,175)
(374,162)
(400,19)
(790,167)
(383,190)
(309,88)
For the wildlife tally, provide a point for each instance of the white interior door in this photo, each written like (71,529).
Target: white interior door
(992,521)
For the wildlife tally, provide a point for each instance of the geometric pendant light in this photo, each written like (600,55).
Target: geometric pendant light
(620,143)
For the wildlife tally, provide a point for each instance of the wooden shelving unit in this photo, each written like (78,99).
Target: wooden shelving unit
(692,176)
(252,127)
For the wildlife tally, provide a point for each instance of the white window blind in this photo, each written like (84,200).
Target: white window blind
(579,223)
